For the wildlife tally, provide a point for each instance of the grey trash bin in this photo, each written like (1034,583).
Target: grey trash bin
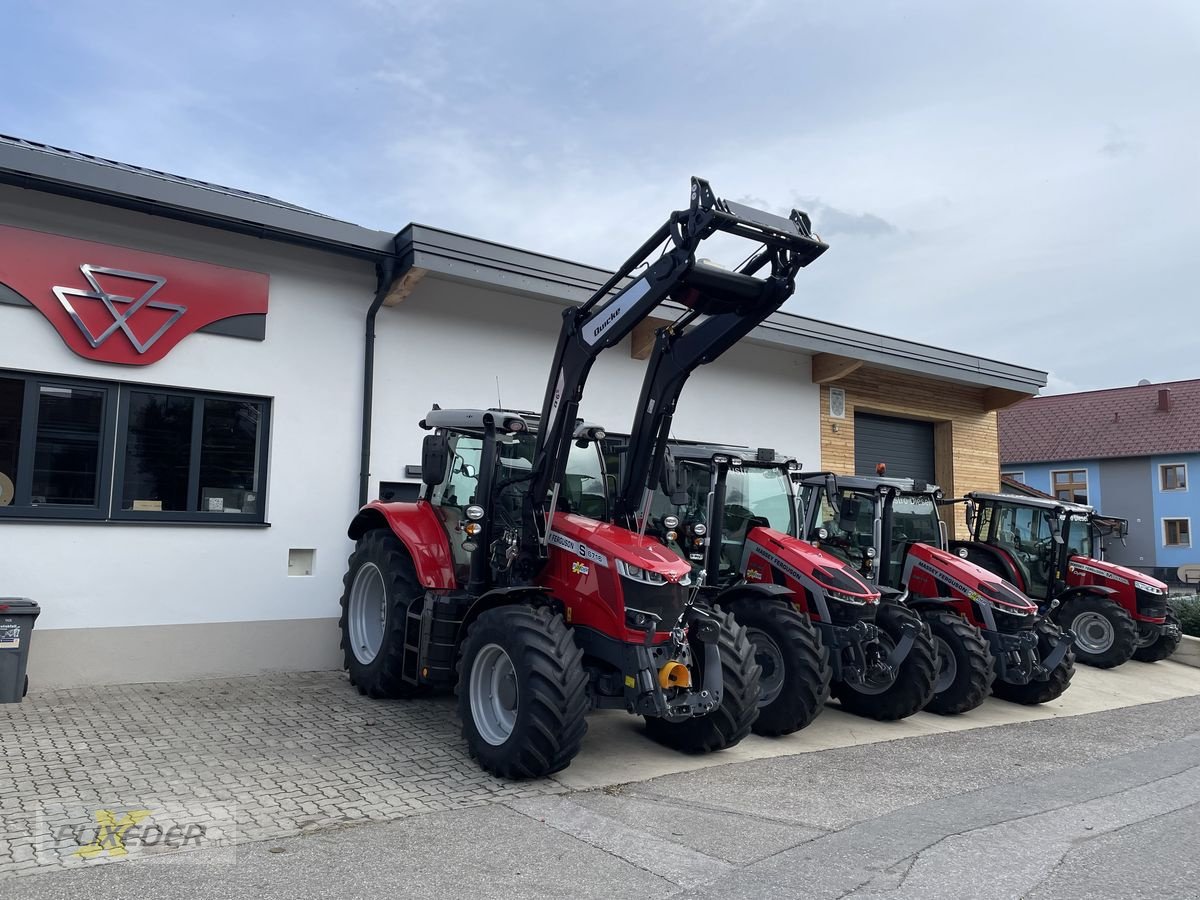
(16,629)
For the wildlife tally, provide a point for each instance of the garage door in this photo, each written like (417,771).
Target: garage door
(904,444)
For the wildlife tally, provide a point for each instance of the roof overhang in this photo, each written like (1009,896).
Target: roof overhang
(447,255)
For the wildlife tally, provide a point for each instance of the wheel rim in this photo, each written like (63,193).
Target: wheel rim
(1093,632)
(1147,636)
(874,683)
(367,613)
(947,665)
(770,659)
(494,695)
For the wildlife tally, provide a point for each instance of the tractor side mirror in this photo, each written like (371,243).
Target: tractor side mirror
(972,515)
(848,515)
(673,479)
(1056,529)
(831,493)
(435,458)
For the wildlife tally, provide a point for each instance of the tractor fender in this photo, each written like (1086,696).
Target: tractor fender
(418,527)
(1084,590)
(506,596)
(756,591)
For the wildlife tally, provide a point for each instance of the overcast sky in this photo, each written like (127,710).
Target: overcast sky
(1018,180)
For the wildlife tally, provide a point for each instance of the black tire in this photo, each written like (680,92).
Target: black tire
(551,699)
(1036,692)
(1164,645)
(913,685)
(380,677)
(969,672)
(793,697)
(733,719)
(1124,630)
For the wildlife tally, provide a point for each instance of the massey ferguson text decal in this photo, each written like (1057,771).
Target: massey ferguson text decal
(1092,570)
(119,305)
(969,592)
(578,548)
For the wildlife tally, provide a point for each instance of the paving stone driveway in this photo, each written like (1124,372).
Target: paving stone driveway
(250,758)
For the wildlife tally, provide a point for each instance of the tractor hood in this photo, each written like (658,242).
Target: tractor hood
(824,568)
(969,579)
(1097,571)
(600,542)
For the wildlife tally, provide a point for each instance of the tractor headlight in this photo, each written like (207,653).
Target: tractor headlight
(1148,588)
(699,529)
(636,573)
(474,513)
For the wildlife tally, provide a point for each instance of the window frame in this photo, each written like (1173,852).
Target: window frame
(1170,546)
(1071,485)
(1015,476)
(1162,483)
(114,436)
(198,399)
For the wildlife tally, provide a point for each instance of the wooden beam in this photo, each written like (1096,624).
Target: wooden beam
(403,286)
(827,367)
(998,398)
(641,341)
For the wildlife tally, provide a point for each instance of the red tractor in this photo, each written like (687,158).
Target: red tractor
(504,581)
(988,634)
(1047,548)
(739,527)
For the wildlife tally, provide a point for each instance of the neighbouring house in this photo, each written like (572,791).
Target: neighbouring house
(1128,452)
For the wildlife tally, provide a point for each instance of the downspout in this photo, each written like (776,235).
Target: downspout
(387,270)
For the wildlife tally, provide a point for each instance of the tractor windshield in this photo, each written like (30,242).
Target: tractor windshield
(760,493)
(915,520)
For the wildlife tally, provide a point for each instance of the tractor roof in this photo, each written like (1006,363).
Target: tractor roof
(1035,502)
(761,456)
(874,483)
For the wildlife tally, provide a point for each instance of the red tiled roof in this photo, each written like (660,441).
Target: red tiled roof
(1102,424)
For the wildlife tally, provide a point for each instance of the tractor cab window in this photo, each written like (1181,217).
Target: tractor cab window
(1024,533)
(851,529)
(583,490)
(754,496)
(914,521)
(456,492)
(1079,537)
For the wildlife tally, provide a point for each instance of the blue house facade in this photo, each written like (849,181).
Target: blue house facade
(1128,452)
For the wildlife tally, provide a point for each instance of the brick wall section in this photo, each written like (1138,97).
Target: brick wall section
(965,445)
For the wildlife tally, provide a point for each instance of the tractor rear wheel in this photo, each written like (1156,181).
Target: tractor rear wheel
(733,719)
(1105,634)
(965,670)
(1164,645)
(1041,691)
(379,586)
(522,692)
(795,665)
(912,686)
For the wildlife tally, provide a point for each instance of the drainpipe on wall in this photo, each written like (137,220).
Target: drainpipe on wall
(387,270)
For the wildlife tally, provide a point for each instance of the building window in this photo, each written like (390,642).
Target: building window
(1015,476)
(1173,477)
(1177,532)
(1070,485)
(173,455)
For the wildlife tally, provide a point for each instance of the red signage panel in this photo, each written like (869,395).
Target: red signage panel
(119,305)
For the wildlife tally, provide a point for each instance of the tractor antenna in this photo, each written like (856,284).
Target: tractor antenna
(499,402)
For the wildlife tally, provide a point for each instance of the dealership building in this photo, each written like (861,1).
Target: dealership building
(199,386)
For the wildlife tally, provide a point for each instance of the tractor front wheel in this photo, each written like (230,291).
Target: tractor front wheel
(522,692)
(1169,636)
(1105,634)
(965,670)
(795,666)
(911,687)
(1036,692)
(732,720)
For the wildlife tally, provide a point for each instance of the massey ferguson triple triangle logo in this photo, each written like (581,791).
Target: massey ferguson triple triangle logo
(121,316)
(125,306)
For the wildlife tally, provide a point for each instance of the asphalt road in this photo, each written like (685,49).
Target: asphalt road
(1100,805)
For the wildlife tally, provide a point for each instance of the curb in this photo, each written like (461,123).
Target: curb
(1188,652)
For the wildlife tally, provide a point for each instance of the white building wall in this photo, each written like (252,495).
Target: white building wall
(448,343)
(106,574)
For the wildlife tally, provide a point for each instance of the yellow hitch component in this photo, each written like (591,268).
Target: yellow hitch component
(674,675)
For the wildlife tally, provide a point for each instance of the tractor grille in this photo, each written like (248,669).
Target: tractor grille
(664,600)
(1153,605)
(1008,623)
